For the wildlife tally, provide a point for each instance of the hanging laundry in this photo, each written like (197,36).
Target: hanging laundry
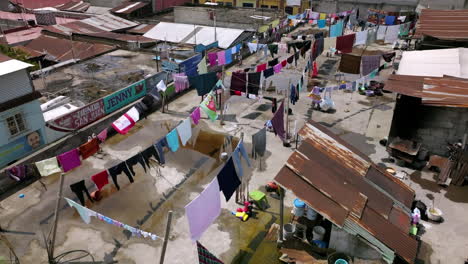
(292,94)
(203,83)
(48,167)
(89,148)
(206,257)
(17,173)
(273,62)
(254,83)
(213,58)
(345,43)
(277,68)
(100,179)
(180,82)
(389,20)
(161,86)
(147,154)
(69,160)
(173,140)
(209,107)
(268,72)
(371,36)
(315,70)
(221,57)
(282,47)
(195,115)
(322,23)
(284,63)
(350,64)
(184,130)
(127,121)
(373,73)
(261,67)
(238,151)
(234,50)
(323,15)
(84,212)
(78,188)
(388,56)
(202,211)
(361,38)
(138,158)
(228,179)
(296,58)
(290,59)
(238,82)
(314,15)
(370,63)
(392,33)
(259,143)
(278,122)
(381,30)
(102,136)
(118,169)
(273,48)
(228,56)
(253,47)
(160,145)
(202,67)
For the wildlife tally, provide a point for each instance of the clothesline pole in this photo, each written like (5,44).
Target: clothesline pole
(56,217)
(281,194)
(166,237)
(221,99)
(287,111)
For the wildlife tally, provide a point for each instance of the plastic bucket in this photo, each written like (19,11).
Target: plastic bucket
(341,261)
(318,233)
(299,207)
(288,231)
(311,214)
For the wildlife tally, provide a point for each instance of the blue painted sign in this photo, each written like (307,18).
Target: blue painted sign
(123,97)
(20,147)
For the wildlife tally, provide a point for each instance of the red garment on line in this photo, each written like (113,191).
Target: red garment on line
(100,179)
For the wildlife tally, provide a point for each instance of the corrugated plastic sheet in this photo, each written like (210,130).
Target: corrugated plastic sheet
(337,183)
(443,24)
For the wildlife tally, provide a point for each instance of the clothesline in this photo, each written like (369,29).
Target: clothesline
(86,214)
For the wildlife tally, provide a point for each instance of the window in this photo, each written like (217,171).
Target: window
(16,124)
(264,6)
(228,4)
(274,7)
(220,3)
(247,5)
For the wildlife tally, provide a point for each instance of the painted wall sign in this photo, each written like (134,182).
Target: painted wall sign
(20,147)
(123,97)
(80,117)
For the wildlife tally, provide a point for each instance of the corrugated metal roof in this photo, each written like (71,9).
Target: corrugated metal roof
(33,4)
(445,92)
(443,24)
(128,7)
(11,65)
(193,34)
(101,23)
(23,36)
(141,29)
(325,172)
(27,16)
(123,37)
(437,91)
(75,7)
(60,49)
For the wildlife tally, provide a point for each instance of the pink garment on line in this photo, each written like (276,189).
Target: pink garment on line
(203,210)
(212,57)
(261,67)
(180,81)
(221,57)
(103,135)
(277,68)
(69,160)
(195,115)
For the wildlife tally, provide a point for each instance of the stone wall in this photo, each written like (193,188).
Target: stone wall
(433,126)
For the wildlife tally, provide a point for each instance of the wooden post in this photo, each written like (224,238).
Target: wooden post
(221,99)
(287,111)
(56,216)
(281,194)
(166,237)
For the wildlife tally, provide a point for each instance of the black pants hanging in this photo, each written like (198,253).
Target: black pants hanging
(138,158)
(116,170)
(78,188)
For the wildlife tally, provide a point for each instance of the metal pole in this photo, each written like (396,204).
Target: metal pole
(214,22)
(166,237)
(221,99)
(56,216)
(287,111)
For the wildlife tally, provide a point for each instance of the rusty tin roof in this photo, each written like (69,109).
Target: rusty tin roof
(342,184)
(443,24)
